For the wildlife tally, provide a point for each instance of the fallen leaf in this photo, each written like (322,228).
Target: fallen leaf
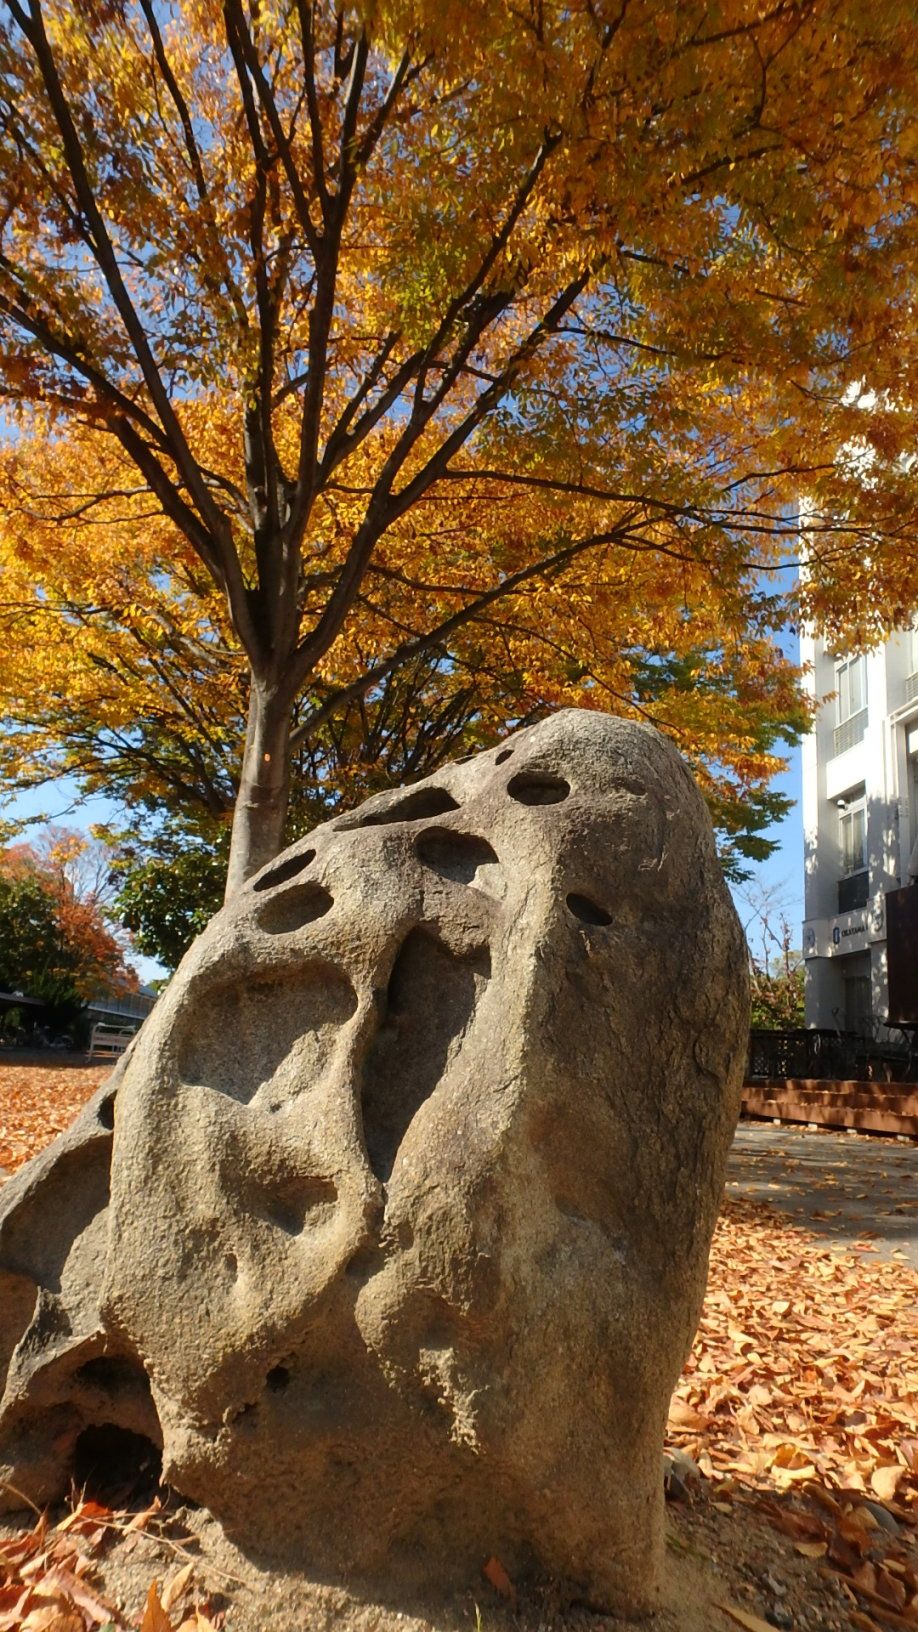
(54,1617)
(890,1588)
(884,1481)
(141,1520)
(492,1569)
(811,1549)
(176,1585)
(682,1415)
(865,1577)
(891,1616)
(77,1593)
(743,1617)
(155,1618)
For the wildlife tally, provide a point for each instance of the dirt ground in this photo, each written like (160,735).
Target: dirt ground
(726,1566)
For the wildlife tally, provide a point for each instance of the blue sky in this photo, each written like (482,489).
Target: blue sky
(782,874)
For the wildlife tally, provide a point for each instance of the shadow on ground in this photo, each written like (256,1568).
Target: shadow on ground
(855,1189)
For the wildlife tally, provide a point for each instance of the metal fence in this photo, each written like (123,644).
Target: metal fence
(831,1056)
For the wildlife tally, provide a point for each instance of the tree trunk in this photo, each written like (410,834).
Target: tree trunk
(261,806)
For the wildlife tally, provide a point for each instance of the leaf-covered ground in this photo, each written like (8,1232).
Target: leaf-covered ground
(799,1404)
(806,1362)
(803,1378)
(37,1102)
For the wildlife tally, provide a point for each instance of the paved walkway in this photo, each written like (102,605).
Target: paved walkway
(857,1190)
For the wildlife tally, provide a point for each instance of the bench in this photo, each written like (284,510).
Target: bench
(108,1041)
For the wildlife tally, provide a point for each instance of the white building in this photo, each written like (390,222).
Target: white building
(860,817)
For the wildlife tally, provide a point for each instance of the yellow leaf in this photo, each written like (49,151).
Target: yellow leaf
(883,1481)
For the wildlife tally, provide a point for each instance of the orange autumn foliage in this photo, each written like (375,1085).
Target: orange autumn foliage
(54,942)
(410,319)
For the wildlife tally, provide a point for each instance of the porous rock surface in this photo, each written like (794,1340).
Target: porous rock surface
(392,1227)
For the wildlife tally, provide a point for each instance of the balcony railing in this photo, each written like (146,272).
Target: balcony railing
(851,731)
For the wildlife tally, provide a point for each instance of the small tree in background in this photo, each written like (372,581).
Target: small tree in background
(778,976)
(54,942)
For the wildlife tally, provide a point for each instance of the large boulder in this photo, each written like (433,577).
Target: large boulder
(412,1183)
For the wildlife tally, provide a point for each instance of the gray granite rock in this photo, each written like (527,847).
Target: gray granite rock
(402,1235)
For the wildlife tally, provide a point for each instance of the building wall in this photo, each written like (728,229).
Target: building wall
(870,761)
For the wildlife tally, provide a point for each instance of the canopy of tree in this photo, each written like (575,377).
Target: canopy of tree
(119,665)
(54,943)
(502,340)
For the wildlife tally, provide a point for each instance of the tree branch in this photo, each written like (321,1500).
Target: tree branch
(421,643)
(32,26)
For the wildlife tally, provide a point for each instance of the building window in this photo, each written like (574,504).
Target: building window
(851,703)
(858,1009)
(853,892)
(853,887)
(851,683)
(852,832)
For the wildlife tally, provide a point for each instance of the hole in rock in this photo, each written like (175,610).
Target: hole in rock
(303,904)
(116,1467)
(286,1200)
(503,756)
(240,1033)
(459,856)
(278,1379)
(538,788)
(431,1001)
(284,870)
(418,806)
(114,1374)
(589,912)
(367,1261)
(106,1112)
